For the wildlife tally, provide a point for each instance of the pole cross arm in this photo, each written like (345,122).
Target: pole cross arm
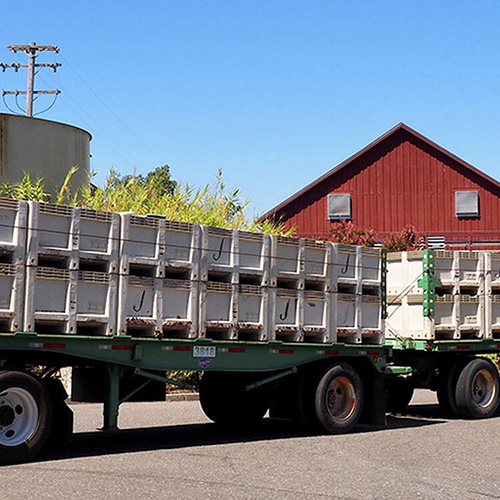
(33,47)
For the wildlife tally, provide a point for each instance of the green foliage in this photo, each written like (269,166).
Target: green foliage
(346,232)
(402,241)
(159,179)
(155,193)
(191,378)
(211,205)
(25,189)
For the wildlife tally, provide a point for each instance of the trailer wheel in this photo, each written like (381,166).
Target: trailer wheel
(25,416)
(332,402)
(399,393)
(224,399)
(477,391)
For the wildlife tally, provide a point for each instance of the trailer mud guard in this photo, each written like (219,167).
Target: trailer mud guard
(375,399)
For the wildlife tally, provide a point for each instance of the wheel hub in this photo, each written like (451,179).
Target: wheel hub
(483,388)
(341,398)
(18,416)
(7,416)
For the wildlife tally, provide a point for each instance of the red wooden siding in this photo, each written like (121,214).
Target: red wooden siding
(401,180)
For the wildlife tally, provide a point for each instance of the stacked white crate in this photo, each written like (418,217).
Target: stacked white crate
(300,279)
(492,294)
(97,273)
(180,286)
(159,277)
(459,300)
(142,267)
(13,220)
(234,294)
(71,270)
(359,294)
(405,297)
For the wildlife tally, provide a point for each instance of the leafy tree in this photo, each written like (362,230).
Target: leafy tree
(159,179)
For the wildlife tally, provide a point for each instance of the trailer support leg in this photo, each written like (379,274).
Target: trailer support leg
(375,400)
(112,399)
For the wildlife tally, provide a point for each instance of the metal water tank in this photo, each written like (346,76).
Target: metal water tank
(43,148)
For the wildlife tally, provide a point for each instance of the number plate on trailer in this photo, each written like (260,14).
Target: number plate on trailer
(200,351)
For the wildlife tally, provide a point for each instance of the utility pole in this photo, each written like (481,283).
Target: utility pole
(31,50)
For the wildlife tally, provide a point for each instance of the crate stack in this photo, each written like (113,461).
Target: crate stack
(360,294)
(71,270)
(492,294)
(159,277)
(234,279)
(458,300)
(13,221)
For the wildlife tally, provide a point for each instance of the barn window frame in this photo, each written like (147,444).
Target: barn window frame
(339,206)
(467,204)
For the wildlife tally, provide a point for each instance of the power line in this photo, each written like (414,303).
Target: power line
(145,146)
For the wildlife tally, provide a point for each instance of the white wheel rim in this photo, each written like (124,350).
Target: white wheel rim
(18,416)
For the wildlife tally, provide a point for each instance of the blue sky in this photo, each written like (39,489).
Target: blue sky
(274,93)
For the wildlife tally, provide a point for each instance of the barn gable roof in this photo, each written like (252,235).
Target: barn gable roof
(397,129)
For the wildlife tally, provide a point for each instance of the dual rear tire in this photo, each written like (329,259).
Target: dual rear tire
(470,388)
(327,401)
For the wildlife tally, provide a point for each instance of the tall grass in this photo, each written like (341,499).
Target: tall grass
(212,205)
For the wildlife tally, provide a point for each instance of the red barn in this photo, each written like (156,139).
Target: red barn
(402,179)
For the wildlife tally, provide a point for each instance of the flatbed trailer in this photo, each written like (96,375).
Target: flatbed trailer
(292,326)
(328,388)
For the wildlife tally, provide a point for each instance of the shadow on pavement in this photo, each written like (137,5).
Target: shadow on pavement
(98,443)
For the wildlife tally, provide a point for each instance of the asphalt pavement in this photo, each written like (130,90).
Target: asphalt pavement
(171,451)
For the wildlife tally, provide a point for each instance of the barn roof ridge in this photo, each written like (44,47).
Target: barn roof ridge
(370,146)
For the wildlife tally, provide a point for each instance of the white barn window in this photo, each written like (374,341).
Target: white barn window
(466,203)
(339,206)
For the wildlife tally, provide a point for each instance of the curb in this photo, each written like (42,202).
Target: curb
(183,396)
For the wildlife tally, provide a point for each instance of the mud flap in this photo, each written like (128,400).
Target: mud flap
(375,399)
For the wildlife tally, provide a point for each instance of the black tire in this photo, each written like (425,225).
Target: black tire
(399,393)
(25,416)
(477,391)
(285,401)
(62,415)
(332,401)
(224,399)
(446,387)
